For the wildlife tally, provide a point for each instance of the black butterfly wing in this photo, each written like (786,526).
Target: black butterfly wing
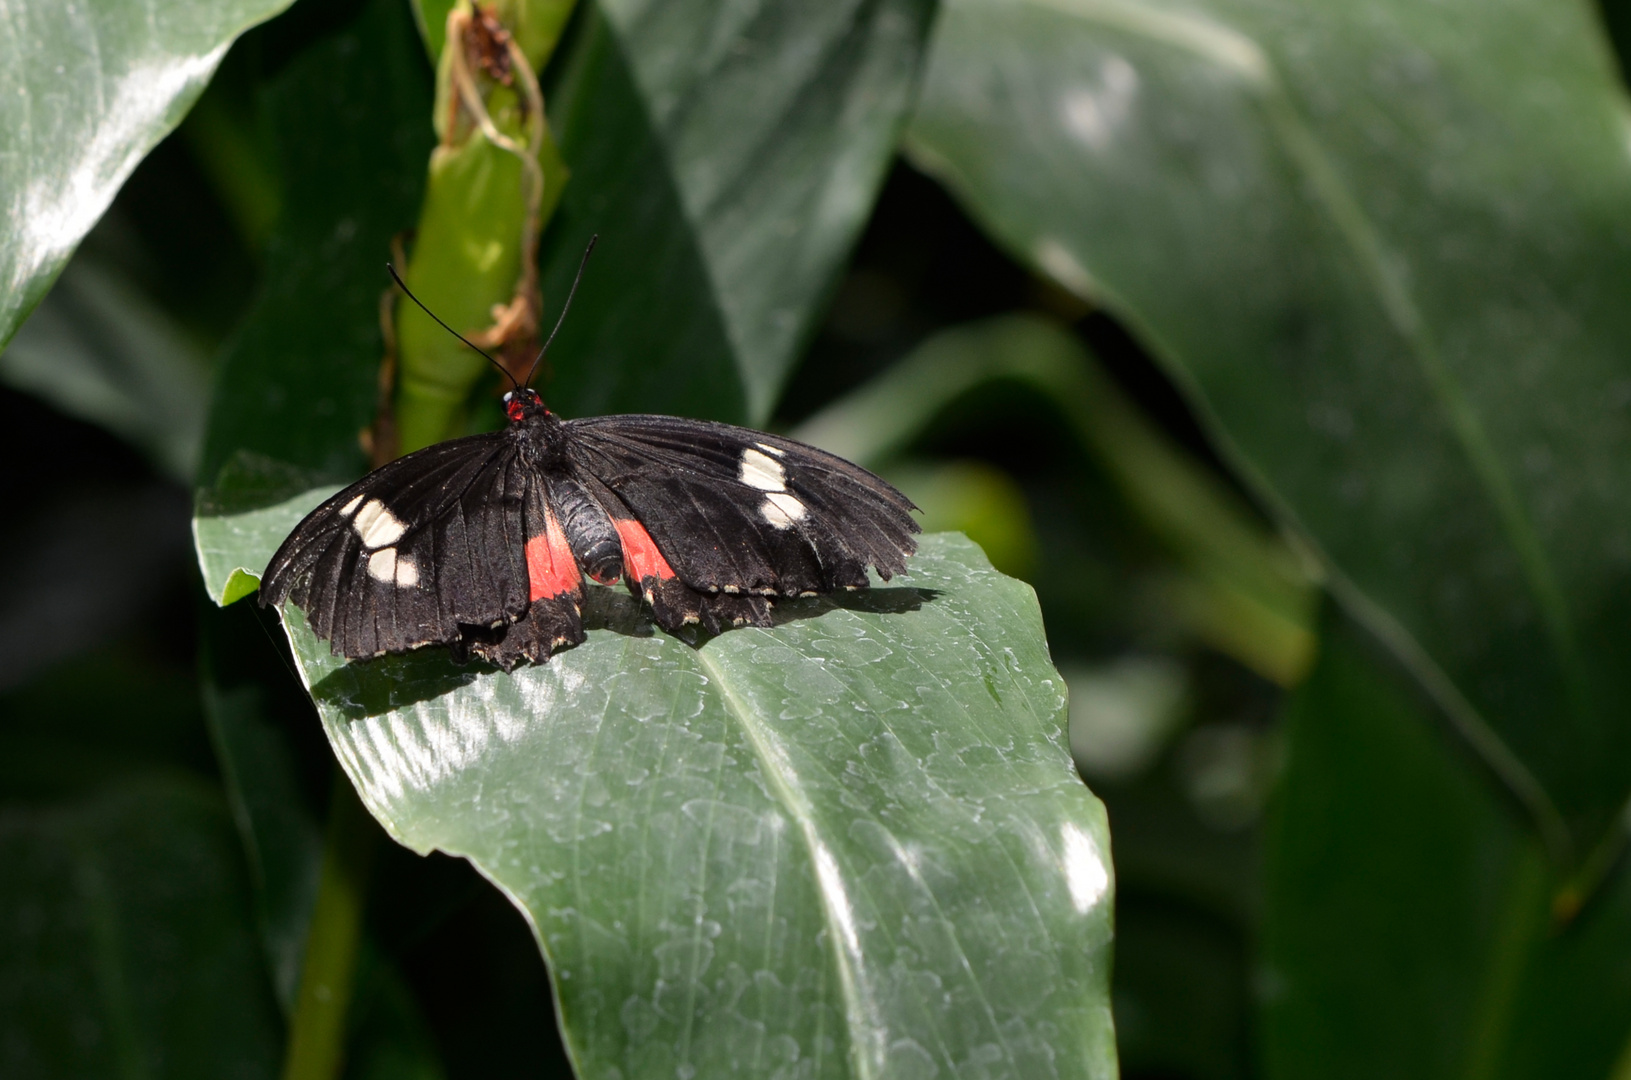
(554,616)
(428,549)
(736,511)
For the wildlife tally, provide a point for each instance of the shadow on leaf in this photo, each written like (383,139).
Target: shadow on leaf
(365,688)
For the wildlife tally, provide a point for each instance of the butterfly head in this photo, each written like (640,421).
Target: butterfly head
(522,403)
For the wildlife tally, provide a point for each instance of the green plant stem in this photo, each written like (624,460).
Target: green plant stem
(316,1048)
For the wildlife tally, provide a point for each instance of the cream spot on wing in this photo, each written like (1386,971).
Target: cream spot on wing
(407,573)
(762,472)
(377,526)
(781,509)
(349,508)
(382,565)
(788,504)
(771,450)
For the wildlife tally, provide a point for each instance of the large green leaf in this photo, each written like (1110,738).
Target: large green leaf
(127,946)
(86,90)
(727,158)
(851,845)
(1410,927)
(1384,246)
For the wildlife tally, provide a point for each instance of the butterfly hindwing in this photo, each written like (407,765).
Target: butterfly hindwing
(674,604)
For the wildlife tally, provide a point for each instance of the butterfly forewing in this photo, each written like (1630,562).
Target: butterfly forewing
(411,552)
(738,510)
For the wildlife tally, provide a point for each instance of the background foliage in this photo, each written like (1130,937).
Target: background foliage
(1280,346)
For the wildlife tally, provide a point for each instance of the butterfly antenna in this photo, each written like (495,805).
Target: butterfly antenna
(404,287)
(564,309)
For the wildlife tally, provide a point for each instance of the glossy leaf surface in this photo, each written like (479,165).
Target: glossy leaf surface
(1409,928)
(851,845)
(727,158)
(1383,246)
(86,90)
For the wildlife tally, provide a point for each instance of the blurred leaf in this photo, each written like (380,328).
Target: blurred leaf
(976,499)
(276,821)
(1123,713)
(300,380)
(1385,246)
(1183,1008)
(230,149)
(853,842)
(86,90)
(126,942)
(1246,590)
(62,592)
(728,158)
(390,1039)
(91,721)
(1409,930)
(98,349)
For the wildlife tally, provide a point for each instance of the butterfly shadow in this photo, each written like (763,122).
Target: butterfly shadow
(368,688)
(886,600)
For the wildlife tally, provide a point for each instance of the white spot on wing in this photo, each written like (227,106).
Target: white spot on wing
(781,509)
(349,508)
(407,573)
(377,526)
(762,472)
(771,450)
(382,565)
(1084,868)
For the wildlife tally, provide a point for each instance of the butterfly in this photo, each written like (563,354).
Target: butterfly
(483,543)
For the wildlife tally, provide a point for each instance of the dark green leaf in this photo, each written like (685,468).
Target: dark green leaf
(1385,246)
(277,822)
(727,163)
(300,381)
(86,90)
(1409,928)
(98,349)
(127,946)
(852,845)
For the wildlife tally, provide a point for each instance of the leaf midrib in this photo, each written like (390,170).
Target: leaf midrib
(798,807)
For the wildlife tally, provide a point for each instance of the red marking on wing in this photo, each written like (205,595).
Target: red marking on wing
(640,552)
(551,570)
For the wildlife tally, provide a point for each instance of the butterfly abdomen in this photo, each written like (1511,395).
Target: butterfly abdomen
(589,531)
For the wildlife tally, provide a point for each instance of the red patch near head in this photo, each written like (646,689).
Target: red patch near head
(640,552)
(551,570)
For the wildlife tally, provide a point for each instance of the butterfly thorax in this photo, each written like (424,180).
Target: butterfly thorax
(540,433)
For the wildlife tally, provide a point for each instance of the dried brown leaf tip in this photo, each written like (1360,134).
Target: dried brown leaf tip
(487,45)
